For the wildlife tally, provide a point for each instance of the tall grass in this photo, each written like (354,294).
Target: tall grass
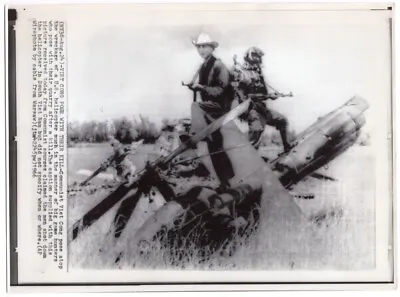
(340,235)
(168,251)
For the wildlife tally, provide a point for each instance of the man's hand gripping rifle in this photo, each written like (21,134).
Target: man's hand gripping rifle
(193,86)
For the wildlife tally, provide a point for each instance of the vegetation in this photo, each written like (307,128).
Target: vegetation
(127,130)
(123,129)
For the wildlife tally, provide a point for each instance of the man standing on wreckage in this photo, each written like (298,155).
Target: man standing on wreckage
(249,82)
(212,82)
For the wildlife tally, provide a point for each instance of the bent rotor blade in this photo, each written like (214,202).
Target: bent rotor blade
(211,128)
(124,212)
(106,176)
(95,213)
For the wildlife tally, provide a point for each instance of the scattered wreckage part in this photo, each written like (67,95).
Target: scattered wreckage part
(120,193)
(124,212)
(199,226)
(333,131)
(154,178)
(107,163)
(293,175)
(302,195)
(128,205)
(100,209)
(321,176)
(198,170)
(195,203)
(132,149)
(96,172)
(105,176)
(331,135)
(355,107)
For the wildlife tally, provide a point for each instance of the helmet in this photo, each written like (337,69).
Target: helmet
(254,55)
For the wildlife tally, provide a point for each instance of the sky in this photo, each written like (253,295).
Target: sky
(119,69)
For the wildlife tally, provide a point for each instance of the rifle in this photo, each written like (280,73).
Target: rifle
(263,97)
(238,67)
(100,209)
(189,85)
(279,94)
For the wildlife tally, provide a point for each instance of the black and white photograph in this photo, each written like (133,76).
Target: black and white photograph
(225,140)
(223,147)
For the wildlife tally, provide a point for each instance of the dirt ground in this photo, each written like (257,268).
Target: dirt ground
(341,237)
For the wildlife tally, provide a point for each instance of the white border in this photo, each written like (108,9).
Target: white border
(396,139)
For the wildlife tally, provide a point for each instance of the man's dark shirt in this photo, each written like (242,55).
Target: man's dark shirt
(215,78)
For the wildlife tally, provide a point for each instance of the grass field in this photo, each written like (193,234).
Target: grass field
(341,237)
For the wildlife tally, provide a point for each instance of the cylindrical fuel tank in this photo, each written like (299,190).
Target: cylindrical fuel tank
(327,154)
(355,106)
(323,141)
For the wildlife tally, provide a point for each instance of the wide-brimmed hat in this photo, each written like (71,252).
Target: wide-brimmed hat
(205,39)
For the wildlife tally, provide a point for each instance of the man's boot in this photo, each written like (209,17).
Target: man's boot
(284,136)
